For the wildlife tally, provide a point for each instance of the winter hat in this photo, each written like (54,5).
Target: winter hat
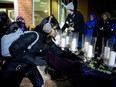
(19,17)
(70,6)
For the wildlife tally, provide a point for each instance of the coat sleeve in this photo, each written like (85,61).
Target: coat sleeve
(20,45)
(55,49)
(79,23)
(63,54)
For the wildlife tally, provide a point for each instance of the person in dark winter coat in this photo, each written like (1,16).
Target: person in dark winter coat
(75,20)
(102,30)
(19,23)
(24,61)
(5,23)
(90,24)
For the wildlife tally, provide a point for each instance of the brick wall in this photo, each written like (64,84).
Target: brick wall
(25,10)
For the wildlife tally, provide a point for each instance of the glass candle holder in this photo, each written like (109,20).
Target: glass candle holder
(74,42)
(86,41)
(58,37)
(63,42)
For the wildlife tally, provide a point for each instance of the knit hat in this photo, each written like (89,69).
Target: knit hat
(19,17)
(70,6)
(47,28)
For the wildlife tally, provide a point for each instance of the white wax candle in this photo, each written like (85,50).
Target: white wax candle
(90,51)
(74,45)
(106,52)
(86,46)
(112,58)
(67,40)
(62,42)
(57,39)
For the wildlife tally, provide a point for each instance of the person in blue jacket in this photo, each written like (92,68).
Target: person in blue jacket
(90,24)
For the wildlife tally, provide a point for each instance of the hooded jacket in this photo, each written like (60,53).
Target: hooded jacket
(90,25)
(5,23)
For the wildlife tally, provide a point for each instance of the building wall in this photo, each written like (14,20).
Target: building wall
(83,8)
(55,8)
(25,10)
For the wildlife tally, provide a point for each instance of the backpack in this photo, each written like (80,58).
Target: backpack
(8,39)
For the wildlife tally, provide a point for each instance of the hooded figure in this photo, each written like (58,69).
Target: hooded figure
(90,24)
(5,23)
(21,23)
(75,20)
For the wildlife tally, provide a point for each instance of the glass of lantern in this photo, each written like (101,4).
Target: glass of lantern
(89,47)
(74,42)
(58,37)
(109,54)
(63,42)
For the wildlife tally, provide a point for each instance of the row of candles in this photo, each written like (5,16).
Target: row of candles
(88,46)
(109,54)
(67,40)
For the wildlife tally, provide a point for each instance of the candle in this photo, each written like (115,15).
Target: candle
(57,39)
(62,42)
(90,51)
(106,52)
(67,40)
(74,45)
(112,58)
(86,46)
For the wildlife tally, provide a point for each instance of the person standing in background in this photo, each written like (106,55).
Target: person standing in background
(101,30)
(90,24)
(21,23)
(76,21)
(5,23)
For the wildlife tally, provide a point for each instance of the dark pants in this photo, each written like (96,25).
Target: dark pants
(12,74)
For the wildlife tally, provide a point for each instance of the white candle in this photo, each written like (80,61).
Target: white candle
(90,51)
(67,40)
(112,58)
(106,52)
(74,45)
(57,39)
(62,42)
(86,46)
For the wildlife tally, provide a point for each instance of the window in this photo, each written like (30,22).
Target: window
(41,10)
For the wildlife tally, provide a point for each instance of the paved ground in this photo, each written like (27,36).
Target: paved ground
(59,83)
